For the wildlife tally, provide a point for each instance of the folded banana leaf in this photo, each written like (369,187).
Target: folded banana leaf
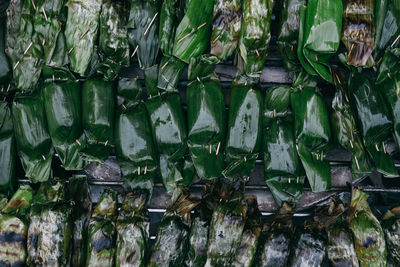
(278,231)
(358,32)
(289,33)
(313,133)
(47,25)
(32,137)
(246,252)
(102,232)
(254,36)
(60,55)
(227,225)
(344,128)
(170,15)
(197,251)
(171,69)
(23,45)
(133,232)
(14,227)
(49,234)
(79,192)
(134,146)
(7,150)
(173,231)
(206,117)
(283,171)
(308,248)
(97,119)
(226,28)
(142,27)
(243,139)
(62,102)
(374,121)
(81,32)
(369,238)
(387,26)
(5,68)
(390,88)
(113,38)
(319,35)
(391,227)
(193,33)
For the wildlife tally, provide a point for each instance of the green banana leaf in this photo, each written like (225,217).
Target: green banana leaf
(14,227)
(319,35)
(62,102)
(23,46)
(274,248)
(313,133)
(7,150)
(113,38)
(169,73)
(387,26)
(390,88)
(226,28)
(243,140)
(197,250)
(391,227)
(150,80)
(47,26)
(97,119)
(142,27)
(60,55)
(359,31)
(206,117)
(246,252)
(283,171)
(79,192)
(344,128)
(289,33)
(193,33)
(170,15)
(81,32)
(5,68)
(133,232)
(368,235)
(102,232)
(134,146)
(32,137)
(374,121)
(227,225)
(173,231)
(254,36)
(390,65)
(49,234)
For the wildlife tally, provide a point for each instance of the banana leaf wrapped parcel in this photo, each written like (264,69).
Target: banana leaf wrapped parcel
(49,234)
(227,225)
(97,119)
(133,138)
(193,33)
(254,36)
(14,227)
(289,33)
(391,227)
(226,26)
(206,117)
(283,170)
(369,238)
(102,232)
(132,231)
(243,139)
(5,68)
(173,231)
(79,192)
(62,102)
(32,137)
(7,150)
(374,121)
(23,45)
(81,32)
(319,35)
(344,128)
(313,134)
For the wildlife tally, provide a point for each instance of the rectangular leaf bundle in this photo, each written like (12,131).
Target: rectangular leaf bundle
(5,68)
(7,150)
(170,15)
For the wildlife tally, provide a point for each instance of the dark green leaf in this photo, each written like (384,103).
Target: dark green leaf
(391,228)
(170,15)
(169,73)
(7,150)
(5,68)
